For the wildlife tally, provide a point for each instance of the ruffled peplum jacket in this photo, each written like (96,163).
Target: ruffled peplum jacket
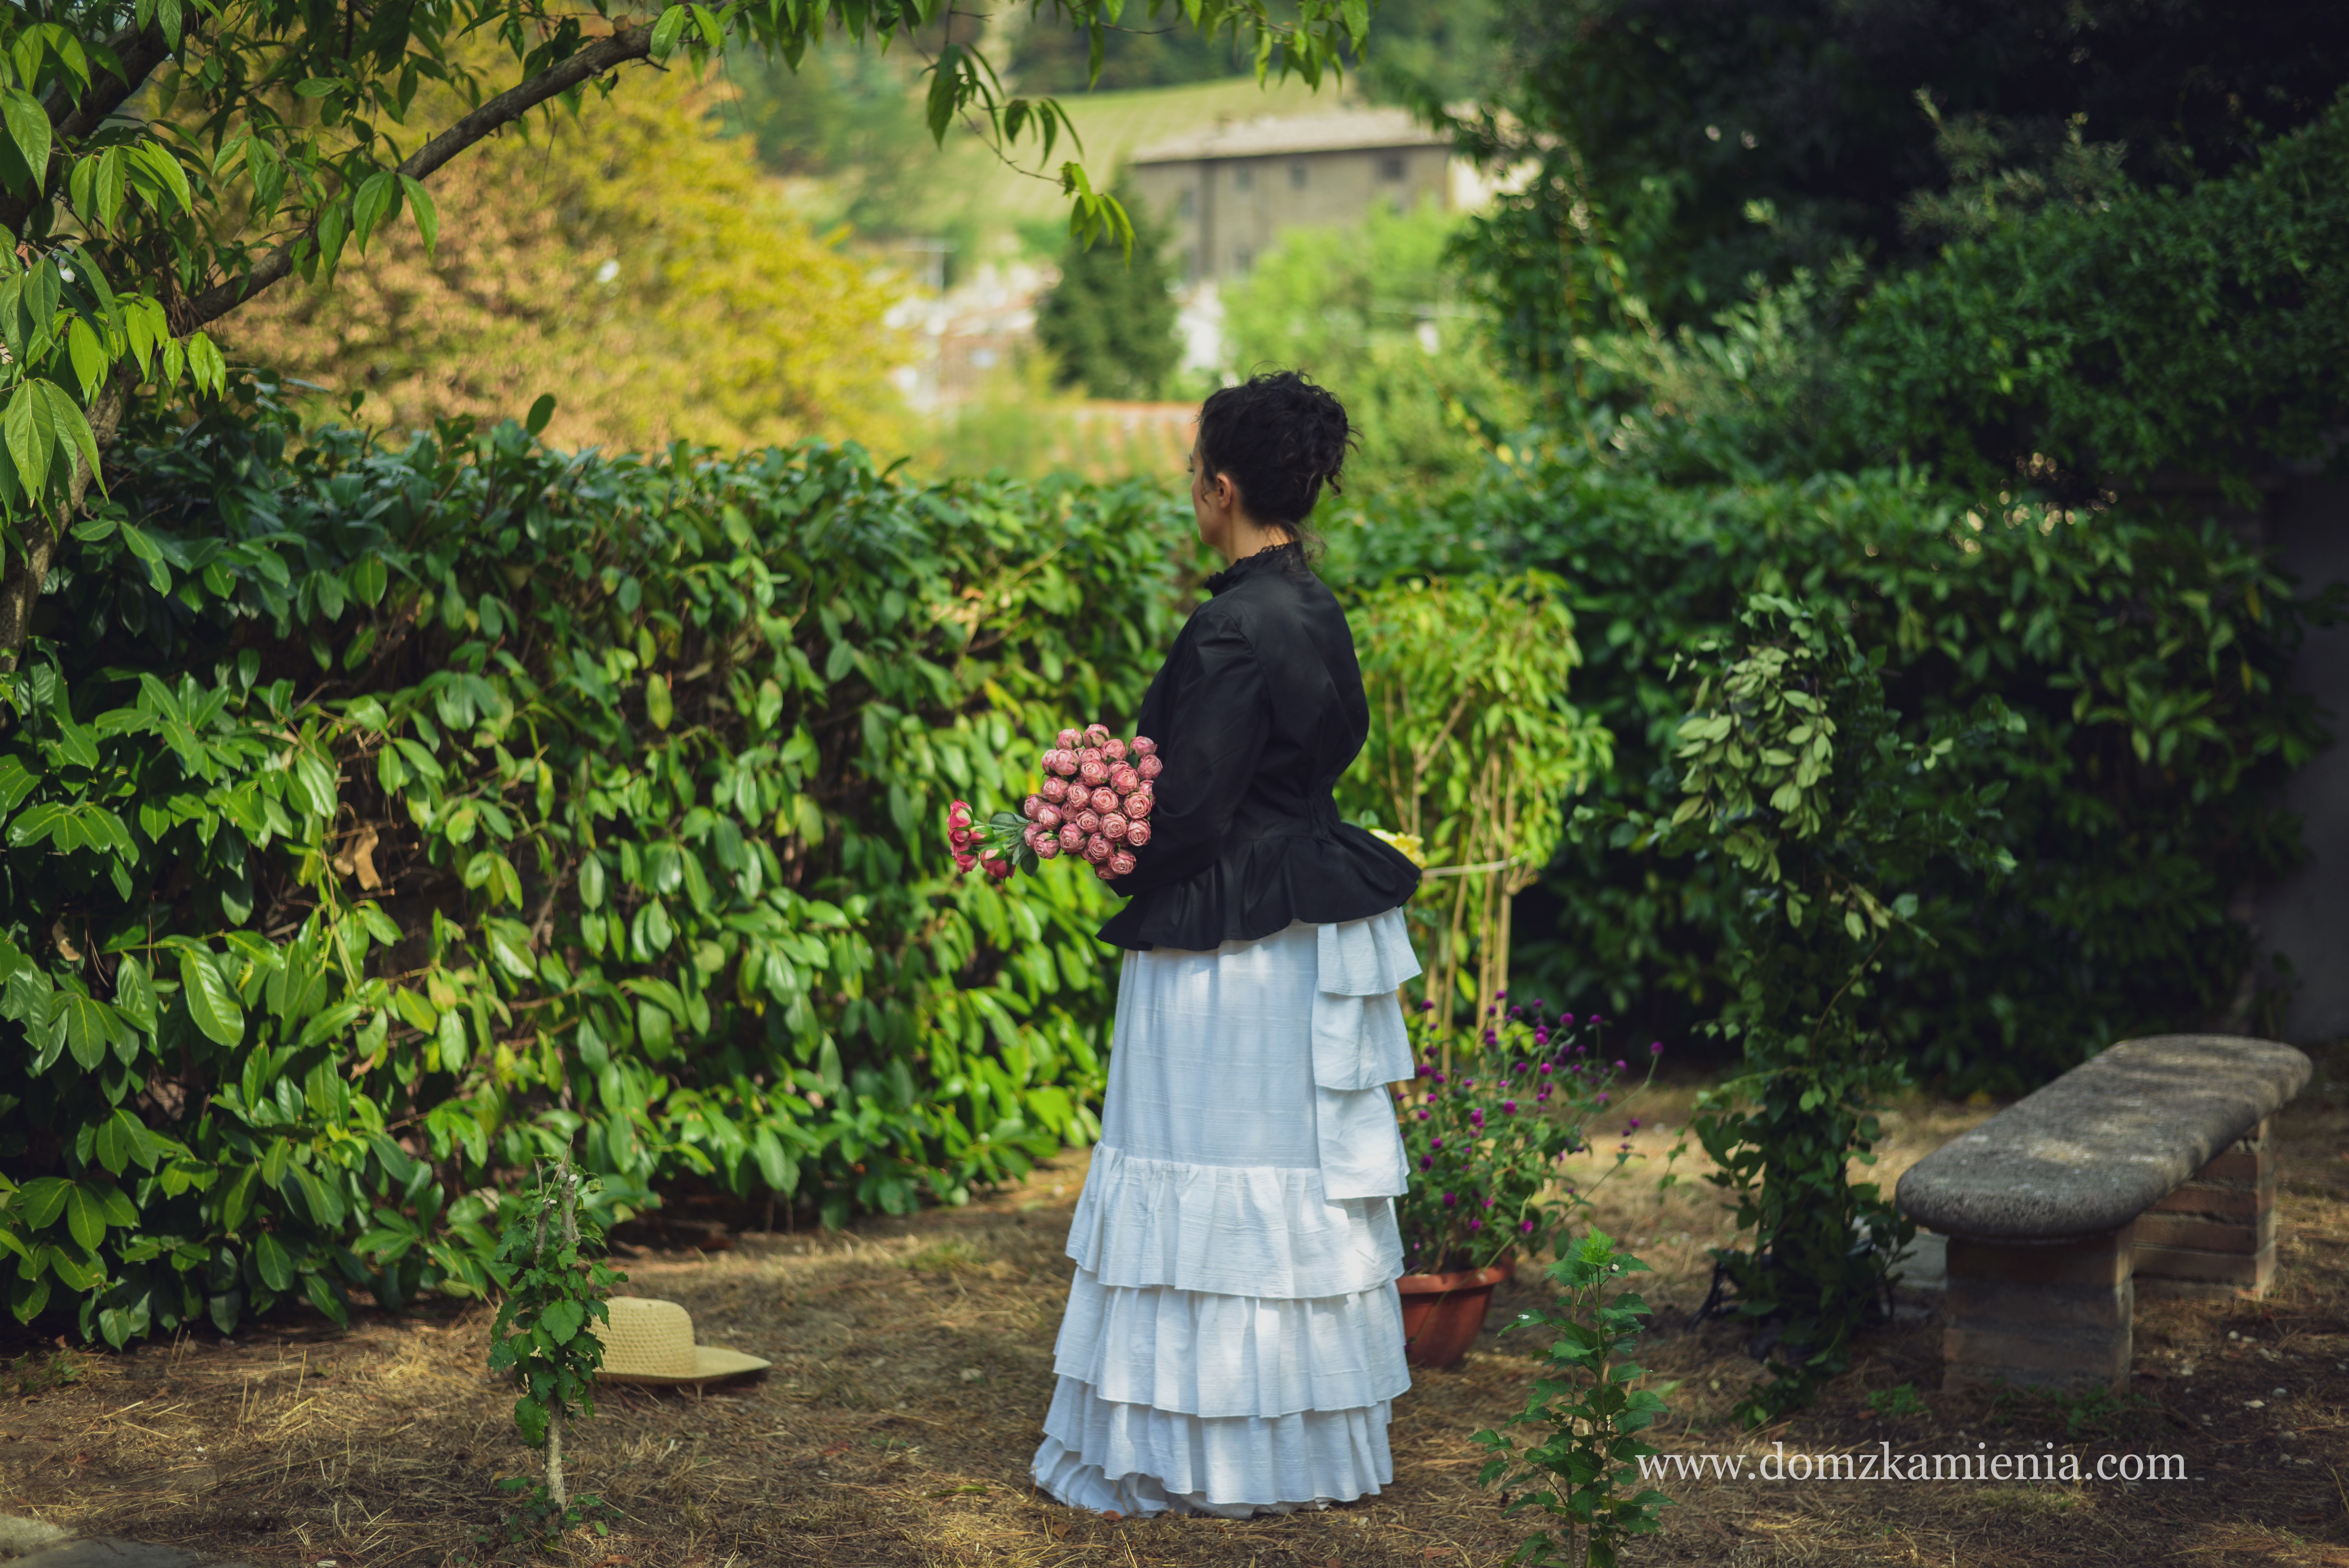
(1257,712)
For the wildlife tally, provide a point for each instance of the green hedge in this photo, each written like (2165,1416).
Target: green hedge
(378,820)
(2147,652)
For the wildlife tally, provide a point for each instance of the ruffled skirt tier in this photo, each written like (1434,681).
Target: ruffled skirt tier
(1233,1339)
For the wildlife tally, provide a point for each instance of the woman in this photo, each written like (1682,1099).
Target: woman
(1232,1337)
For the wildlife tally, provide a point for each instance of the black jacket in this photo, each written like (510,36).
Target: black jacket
(1256,712)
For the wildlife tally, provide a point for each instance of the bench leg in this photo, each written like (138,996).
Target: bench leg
(2051,1314)
(2216,1234)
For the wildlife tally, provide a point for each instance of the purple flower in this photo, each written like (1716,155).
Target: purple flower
(1449,1200)
(1436,1143)
(1476,1119)
(1544,1070)
(1635,1124)
(1500,992)
(1656,1049)
(1439,1077)
(1526,1229)
(1427,1162)
(1475,1224)
(1427,1005)
(1565,1020)
(1488,1202)
(1541,1037)
(1619,1066)
(1424,1072)
(1422,1113)
(1602,1100)
(1542,1098)
(1490,1038)
(1509,1106)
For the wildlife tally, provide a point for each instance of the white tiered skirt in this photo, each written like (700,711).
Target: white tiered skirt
(1233,1337)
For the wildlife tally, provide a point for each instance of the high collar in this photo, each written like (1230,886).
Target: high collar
(1288,556)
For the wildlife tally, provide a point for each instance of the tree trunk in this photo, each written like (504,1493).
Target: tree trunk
(556,1492)
(28,567)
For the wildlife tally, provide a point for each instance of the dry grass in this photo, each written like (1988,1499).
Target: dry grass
(913,1360)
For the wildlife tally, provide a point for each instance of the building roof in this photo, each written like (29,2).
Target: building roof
(1345,130)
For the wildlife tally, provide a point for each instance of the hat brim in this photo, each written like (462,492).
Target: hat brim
(709,1365)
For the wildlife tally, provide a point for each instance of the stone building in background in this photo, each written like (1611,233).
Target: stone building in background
(1226,193)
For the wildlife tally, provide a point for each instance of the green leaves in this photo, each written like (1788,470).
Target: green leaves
(26,125)
(213,1005)
(45,431)
(1580,1472)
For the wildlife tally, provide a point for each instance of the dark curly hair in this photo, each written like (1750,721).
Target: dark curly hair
(1280,438)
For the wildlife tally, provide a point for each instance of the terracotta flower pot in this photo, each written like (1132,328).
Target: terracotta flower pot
(1443,1313)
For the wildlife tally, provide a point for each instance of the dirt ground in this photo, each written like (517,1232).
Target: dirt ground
(913,1360)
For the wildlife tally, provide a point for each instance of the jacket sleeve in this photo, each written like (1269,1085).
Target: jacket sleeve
(1217,718)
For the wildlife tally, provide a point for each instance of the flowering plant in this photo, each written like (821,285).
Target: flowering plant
(1485,1130)
(1094,804)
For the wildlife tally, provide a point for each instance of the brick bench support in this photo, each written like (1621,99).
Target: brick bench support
(2214,1234)
(2148,1170)
(2039,1312)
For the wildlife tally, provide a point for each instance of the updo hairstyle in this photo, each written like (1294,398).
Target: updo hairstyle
(1280,438)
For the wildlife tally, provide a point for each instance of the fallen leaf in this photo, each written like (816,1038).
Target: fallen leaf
(2313,1516)
(1060,1530)
(835,1449)
(1330,1563)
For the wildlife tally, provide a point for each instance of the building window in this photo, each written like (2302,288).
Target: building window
(1243,177)
(1297,175)
(1183,202)
(1390,166)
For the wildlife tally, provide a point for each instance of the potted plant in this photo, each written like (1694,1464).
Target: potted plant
(1484,1127)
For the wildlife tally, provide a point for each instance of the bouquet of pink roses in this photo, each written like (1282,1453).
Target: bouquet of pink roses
(1094,804)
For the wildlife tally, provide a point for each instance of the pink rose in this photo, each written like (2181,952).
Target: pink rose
(1097,848)
(1120,864)
(958,814)
(1137,833)
(1140,804)
(1114,827)
(1048,848)
(959,837)
(1104,799)
(964,861)
(1064,763)
(1112,749)
(1143,746)
(1030,806)
(1103,872)
(1049,816)
(1094,772)
(1095,734)
(1072,838)
(1150,767)
(1070,739)
(1029,834)
(999,870)
(1055,789)
(1089,754)
(1087,821)
(1124,780)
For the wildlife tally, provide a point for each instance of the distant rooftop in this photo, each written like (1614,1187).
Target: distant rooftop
(1345,130)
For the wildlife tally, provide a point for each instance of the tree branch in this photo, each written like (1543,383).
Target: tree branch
(140,51)
(596,59)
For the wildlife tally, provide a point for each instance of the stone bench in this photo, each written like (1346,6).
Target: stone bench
(2146,1168)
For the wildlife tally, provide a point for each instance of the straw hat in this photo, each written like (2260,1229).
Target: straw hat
(652,1342)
